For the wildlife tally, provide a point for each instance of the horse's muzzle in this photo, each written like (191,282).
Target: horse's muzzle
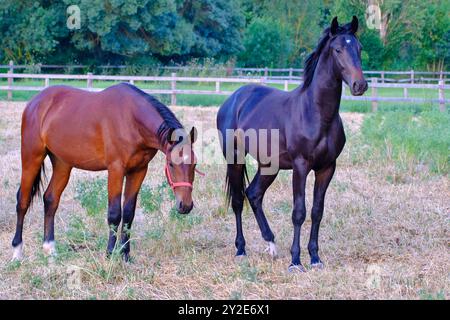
(184,209)
(359,87)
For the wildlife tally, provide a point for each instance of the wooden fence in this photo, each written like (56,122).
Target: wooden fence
(372,95)
(410,76)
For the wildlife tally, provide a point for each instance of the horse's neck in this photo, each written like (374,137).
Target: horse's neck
(149,121)
(325,91)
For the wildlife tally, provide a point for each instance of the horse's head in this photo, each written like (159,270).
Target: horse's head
(346,51)
(180,167)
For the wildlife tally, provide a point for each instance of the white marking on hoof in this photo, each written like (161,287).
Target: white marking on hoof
(296,268)
(17,252)
(49,248)
(272,249)
(317,266)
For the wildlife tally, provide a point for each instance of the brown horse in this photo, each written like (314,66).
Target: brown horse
(119,129)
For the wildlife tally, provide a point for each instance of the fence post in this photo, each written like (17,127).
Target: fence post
(11,66)
(47,82)
(405,92)
(266,72)
(441,96)
(10,82)
(217,86)
(263,81)
(173,87)
(412,76)
(89,81)
(374,95)
(290,73)
(132,82)
(286,85)
(382,76)
(343,89)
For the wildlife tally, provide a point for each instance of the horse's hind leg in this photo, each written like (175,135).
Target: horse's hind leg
(235,174)
(255,194)
(132,185)
(58,182)
(32,160)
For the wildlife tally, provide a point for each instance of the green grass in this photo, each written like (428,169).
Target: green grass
(410,139)
(215,100)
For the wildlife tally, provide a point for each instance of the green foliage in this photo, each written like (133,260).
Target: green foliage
(119,31)
(405,138)
(415,33)
(144,34)
(92,195)
(151,198)
(267,44)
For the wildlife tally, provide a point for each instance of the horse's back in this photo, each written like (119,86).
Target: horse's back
(248,104)
(256,107)
(90,123)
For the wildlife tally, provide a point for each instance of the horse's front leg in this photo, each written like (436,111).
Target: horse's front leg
(323,178)
(132,186)
(301,170)
(115,185)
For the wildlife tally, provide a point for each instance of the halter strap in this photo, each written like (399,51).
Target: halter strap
(172,184)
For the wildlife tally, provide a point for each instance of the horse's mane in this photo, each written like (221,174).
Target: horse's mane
(312,60)
(170,121)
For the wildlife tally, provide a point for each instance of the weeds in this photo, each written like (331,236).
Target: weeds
(92,195)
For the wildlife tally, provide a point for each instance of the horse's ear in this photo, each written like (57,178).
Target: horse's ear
(354,25)
(193,134)
(334,26)
(171,136)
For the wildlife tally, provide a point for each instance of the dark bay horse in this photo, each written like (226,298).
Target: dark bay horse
(311,135)
(119,129)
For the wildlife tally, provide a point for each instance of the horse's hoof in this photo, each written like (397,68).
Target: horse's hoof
(317,265)
(17,253)
(272,249)
(49,248)
(296,268)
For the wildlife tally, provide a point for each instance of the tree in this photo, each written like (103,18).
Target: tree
(29,29)
(267,44)
(118,31)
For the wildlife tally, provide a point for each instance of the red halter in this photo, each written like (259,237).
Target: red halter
(173,185)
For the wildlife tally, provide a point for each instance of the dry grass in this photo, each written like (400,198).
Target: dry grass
(395,234)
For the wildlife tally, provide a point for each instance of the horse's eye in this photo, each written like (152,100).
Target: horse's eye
(338,50)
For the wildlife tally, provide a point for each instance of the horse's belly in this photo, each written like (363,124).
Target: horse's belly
(78,153)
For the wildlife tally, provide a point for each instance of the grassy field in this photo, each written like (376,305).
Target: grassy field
(215,100)
(384,232)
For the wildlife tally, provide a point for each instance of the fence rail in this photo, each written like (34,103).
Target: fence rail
(372,95)
(410,76)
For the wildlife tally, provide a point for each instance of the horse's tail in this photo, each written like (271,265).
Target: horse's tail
(236,182)
(36,189)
